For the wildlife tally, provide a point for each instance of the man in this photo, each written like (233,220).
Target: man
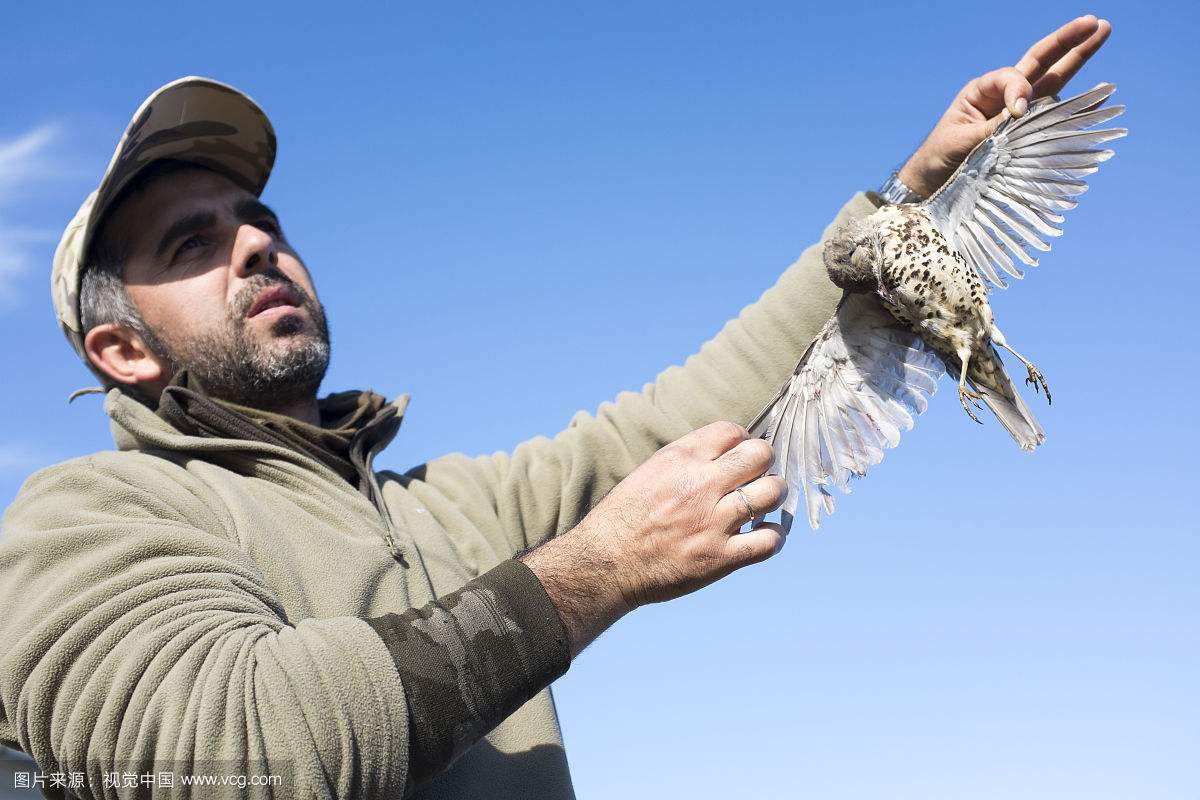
(236,590)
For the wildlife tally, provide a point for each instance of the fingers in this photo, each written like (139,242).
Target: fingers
(1047,52)
(764,495)
(1042,71)
(1006,87)
(713,439)
(1058,75)
(744,462)
(755,545)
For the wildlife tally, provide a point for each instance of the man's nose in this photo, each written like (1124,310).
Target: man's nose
(253,251)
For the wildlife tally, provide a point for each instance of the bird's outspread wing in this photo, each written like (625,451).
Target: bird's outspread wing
(1010,192)
(860,383)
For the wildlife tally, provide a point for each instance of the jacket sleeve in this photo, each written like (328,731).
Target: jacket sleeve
(546,485)
(134,636)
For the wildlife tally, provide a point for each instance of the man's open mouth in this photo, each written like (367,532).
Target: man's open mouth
(273,297)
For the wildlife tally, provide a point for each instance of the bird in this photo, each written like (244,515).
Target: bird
(915,280)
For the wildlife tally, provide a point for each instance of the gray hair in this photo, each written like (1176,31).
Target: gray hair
(103,298)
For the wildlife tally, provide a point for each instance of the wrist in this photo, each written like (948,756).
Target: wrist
(579,579)
(920,175)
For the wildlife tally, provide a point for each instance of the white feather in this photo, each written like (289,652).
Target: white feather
(861,382)
(1011,190)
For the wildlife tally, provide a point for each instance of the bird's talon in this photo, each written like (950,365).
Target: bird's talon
(963,395)
(1038,380)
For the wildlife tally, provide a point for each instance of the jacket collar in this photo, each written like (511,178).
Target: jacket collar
(135,426)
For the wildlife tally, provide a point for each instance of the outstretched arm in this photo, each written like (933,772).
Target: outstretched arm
(546,485)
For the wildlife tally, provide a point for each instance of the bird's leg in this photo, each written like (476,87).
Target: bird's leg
(963,391)
(1035,375)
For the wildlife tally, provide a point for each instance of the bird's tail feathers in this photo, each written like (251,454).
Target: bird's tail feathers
(1010,408)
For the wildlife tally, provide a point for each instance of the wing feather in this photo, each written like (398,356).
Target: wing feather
(1086,159)
(991,249)
(993,227)
(1050,173)
(1021,206)
(813,476)
(964,242)
(860,384)
(990,206)
(1010,192)
(1071,122)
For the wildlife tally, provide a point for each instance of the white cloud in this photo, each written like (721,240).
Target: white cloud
(23,161)
(14,257)
(26,159)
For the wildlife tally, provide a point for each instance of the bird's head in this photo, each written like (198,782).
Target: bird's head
(850,255)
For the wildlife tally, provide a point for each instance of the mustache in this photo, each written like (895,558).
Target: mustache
(263,280)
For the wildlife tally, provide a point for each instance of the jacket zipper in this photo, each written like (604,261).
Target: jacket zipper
(389,535)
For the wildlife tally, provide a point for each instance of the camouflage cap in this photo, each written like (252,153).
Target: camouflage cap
(194,119)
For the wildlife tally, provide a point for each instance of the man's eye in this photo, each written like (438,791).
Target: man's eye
(188,244)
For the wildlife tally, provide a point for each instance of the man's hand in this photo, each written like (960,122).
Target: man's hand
(668,529)
(978,107)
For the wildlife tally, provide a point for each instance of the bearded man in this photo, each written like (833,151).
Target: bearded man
(235,589)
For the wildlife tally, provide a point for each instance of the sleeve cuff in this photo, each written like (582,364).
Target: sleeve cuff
(529,605)
(470,658)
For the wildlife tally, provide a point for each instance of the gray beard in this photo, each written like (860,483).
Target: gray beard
(229,365)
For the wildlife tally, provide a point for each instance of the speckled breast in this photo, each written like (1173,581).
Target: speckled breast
(923,278)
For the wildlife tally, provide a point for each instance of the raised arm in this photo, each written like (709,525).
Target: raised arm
(547,484)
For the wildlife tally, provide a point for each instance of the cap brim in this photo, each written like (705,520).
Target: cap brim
(193,119)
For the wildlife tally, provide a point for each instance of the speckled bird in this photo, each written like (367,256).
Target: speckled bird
(915,304)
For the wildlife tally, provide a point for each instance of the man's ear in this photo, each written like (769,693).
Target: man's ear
(124,357)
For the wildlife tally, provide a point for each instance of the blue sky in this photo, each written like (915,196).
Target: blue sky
(514,213)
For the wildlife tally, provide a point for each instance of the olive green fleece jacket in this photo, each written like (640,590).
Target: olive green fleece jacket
(191,600)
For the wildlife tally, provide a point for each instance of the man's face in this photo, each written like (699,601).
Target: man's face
(221,290)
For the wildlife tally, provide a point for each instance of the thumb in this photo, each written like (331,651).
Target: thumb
(1016,96)
(1001,88)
